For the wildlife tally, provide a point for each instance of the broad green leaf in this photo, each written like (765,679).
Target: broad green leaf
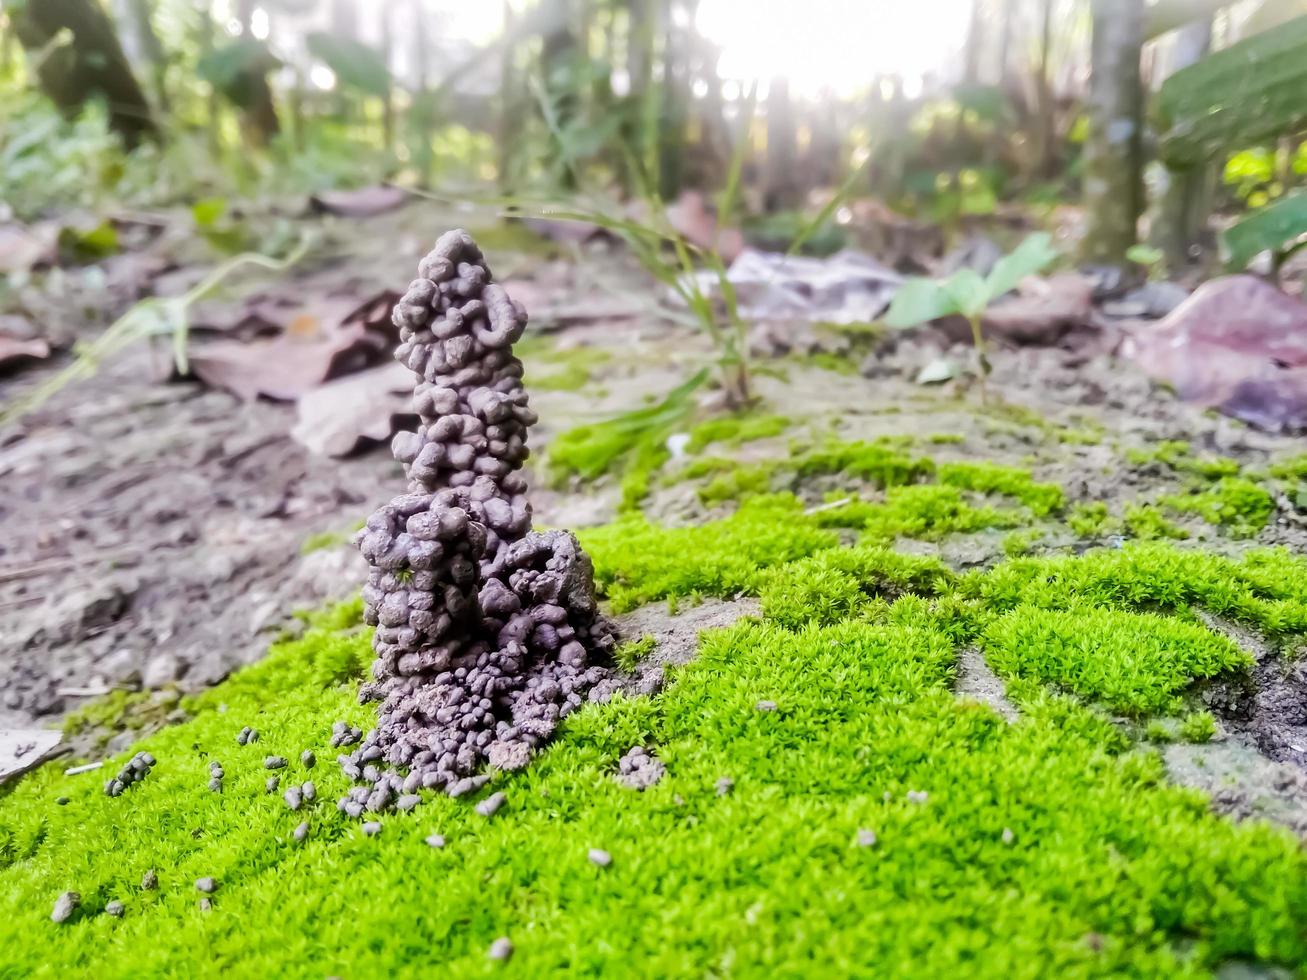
(1237,97)
(1273,228)
(1032,255)
(230,67)
(90,244)
(918,301)
(206,212)
(355,65)
(1142,254)
(968,290)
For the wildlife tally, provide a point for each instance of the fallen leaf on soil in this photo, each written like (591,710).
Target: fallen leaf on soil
(315,345)
(1043,309)
(22,247)
(361,203)
(12,351)
(345,415)
(696,222)
(1237,344)
(847,287)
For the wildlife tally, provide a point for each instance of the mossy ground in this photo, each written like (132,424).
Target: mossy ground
(1048,846)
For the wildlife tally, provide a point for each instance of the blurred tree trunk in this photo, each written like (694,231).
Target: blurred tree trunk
(91,63)
(783,189)
(258,111)
(1113,149)
(675,102)
(558,58)
(386,12)
(975,44)
(640,127)
(1180,213)
(1005,42)
(1045,138)
(142,46)
(512,110)
(204,41)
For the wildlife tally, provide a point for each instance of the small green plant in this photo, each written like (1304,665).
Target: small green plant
(630,653)
(1152,259)
(968,294)
(1198,726)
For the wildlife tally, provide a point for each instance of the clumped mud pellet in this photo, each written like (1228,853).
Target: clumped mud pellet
(149,881)
(205,904)
(372,828)
(598,856)
(64,906)
(206,885)
(501,949)
(274,762)
(246,736)
(917,796)
(436,841)
(725,785)
(272,783)
(765,706)
(865,838)
(63,801)
(293,797)
(115,908)
(133,771)
(300,832)
(307,759)
(491,804)
(1008,836)
(309,792)
(487,632)
(639,769)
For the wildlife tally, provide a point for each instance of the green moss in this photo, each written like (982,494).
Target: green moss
(1178,456)
(1019,543)
(630,653)
(1024,839)
(945,439)
(1148,523)
(826,361)
(323,540)
(638,562)
(1134,663)
(1198,726)
(565,368)
(840,583)
(1266,588)
(1042,498)
(1091,520)
(1238,504)
(735,430)
(929,511)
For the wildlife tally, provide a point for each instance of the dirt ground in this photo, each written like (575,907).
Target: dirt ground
(153,534)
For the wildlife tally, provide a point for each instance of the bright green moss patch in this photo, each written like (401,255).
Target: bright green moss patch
(565,368)
(322,541)
(930,511)
(1148,523)
(1266,588)
(841,583)
(1026,850)
(1009,481)
(1021,542)
(1178,456)
(638,562)
(1090,520)
(1134,663)
(1238,504)
(735,430)
(630,653)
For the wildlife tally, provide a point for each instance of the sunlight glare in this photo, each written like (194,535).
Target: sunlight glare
(839,46)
